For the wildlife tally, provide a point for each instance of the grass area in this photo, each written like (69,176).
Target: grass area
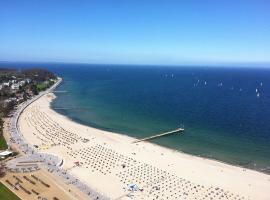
(6,193)
(41,86)
(3,144)
(44,85)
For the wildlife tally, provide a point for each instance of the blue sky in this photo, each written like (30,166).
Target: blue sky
(136,31)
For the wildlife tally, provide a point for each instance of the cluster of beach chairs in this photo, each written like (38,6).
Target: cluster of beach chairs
(153,183)
(49,131)
(100,158)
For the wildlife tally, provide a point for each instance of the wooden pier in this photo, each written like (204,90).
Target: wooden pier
(60,91)
(160,135)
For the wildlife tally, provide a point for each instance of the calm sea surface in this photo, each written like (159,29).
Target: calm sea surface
(225,111)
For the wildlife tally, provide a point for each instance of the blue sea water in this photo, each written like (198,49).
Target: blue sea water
(225,110)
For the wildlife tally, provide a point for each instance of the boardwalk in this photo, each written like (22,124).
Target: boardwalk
(160,135)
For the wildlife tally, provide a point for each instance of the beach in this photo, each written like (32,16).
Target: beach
(135,100)
(115,166)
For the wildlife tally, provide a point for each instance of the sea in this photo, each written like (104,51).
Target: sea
(225,111)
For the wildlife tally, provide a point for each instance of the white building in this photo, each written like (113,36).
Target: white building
(22,83)
(15,86)
(10,99)
(5,154)
(28,80)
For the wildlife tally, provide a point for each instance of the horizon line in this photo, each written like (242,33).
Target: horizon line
(188,64)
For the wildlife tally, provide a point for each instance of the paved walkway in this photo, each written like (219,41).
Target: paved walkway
(51,162)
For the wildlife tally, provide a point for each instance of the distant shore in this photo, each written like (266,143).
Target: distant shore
(105,159)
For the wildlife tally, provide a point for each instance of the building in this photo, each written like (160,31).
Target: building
(22,83)
(5,154)
(10,99)
(28,80)
(15,86)
(6,84)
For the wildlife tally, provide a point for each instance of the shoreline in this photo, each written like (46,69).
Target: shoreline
(163,146)
(158,145)
(148,150)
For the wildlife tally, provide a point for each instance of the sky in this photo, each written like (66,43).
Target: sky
(136,31)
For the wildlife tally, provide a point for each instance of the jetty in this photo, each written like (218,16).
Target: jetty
(60,91)
(160,135)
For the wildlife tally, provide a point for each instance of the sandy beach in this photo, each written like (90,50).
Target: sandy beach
(111,163)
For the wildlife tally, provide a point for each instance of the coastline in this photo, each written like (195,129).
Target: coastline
(239,180)
(168,148)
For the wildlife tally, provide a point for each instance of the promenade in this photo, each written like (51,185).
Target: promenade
(50,162)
